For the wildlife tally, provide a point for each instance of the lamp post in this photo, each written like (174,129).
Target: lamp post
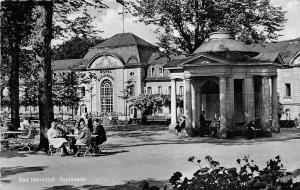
(92,95)
(91,92)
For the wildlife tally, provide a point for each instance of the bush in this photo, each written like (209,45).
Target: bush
(247,177)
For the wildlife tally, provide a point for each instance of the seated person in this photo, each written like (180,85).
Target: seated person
(55,140)
(84,136)
(202,123)
(214,127)
(251,130)
(180,125)
(62,130)
(100,132)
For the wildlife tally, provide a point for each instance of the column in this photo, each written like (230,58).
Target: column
(188,102)
(230,103)
(223,109)
(275,125)
(198,107)
(173,106)
(249,99)
(193,96)
(266,104)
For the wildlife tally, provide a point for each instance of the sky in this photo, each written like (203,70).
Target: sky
(110,21)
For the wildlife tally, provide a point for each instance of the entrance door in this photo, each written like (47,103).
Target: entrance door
(238,101)
(210,101)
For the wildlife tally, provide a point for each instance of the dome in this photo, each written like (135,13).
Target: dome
(224,42)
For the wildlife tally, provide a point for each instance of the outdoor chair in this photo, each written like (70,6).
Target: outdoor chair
(84,149)
(26,141)
(13,143)
(102,148)
(53,150)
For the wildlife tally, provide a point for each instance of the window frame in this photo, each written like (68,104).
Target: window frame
(288,90)
(149,90)
(107,96)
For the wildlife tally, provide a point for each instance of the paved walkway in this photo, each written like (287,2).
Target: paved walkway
(134,156)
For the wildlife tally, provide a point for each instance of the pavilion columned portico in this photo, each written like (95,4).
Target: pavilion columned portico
(230,83)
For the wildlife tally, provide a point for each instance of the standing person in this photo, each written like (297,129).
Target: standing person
(100,132)
(90,123)
(202,123)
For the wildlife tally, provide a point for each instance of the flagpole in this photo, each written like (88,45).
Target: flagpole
(123,19)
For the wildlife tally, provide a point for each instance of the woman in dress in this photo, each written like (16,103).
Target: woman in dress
(55,140)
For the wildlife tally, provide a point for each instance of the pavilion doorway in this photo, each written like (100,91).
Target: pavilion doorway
(210,99)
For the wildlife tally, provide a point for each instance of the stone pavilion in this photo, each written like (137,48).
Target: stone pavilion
(230,82)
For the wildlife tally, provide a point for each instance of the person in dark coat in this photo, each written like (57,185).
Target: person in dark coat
(202,123)
(90,124)
(100,131)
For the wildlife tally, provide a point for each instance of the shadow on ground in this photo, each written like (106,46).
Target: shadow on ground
(7,171)
(130,185)
(13,154)
(142,138)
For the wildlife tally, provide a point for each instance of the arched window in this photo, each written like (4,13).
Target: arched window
(106,93)
(83,109)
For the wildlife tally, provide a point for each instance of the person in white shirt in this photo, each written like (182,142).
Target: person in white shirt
(55,140)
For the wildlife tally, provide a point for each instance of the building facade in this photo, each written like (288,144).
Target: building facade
(128,60)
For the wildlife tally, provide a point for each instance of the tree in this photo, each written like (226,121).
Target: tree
(75,48)
(42,50)
(147,104)
(73,18)
(30,96)
(183,25)
(65,90)
(15,27)
(128,92)
(65,24)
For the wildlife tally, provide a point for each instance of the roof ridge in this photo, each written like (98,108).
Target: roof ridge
(133,38)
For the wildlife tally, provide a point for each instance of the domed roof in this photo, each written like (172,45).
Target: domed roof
(223,42)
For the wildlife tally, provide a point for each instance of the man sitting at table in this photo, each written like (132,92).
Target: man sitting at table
(55,140)
(100,132)
(84,136)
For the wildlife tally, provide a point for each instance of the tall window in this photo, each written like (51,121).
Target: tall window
(169,90)
(161,72)
(149,90)
(106,96)
(159,89)
(181,90)
(287,89)
(83,91)
(83,109)
(152,72)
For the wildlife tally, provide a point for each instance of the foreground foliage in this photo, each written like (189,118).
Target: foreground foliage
(247,177)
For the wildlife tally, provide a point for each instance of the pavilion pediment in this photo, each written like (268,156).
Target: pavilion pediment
(204,60)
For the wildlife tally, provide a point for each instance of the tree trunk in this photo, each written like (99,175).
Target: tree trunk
(42,49)
(14,53)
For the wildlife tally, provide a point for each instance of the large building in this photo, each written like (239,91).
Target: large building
(126,59)
(289,77)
